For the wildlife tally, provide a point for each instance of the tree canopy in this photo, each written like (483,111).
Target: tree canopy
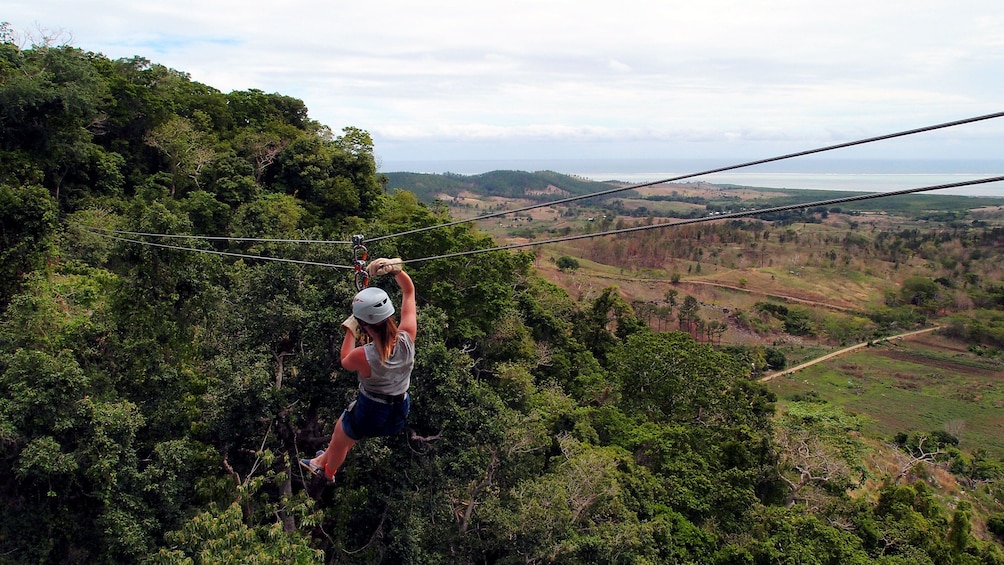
(154,400)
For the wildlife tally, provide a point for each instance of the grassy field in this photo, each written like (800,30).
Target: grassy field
(919,384)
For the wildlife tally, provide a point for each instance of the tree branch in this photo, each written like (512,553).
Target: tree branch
(477,490)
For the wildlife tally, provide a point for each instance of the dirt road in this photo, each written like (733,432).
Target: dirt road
(828,356)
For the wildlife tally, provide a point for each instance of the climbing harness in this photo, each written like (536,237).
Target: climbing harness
(362,277)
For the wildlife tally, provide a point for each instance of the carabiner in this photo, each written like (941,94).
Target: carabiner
(359,252)
(362,278)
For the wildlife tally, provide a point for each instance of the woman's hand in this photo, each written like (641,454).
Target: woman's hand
(351,325)
(384,266)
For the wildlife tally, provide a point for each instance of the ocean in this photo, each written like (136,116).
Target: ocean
(858,175)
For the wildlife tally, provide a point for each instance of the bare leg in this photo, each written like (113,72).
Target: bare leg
(333,457)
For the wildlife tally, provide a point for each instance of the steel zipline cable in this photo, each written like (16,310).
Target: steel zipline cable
(702,173)
(216,237)
(743,214)
(581,196)
(227,253)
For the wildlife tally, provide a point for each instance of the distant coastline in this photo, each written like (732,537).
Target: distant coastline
(809,174)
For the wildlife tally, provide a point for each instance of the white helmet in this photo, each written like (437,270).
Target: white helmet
(372,306)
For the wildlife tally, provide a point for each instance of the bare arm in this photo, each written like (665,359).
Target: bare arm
(354,358)
(409,312)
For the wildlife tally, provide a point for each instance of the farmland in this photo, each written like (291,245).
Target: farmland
(923,383)
(833,265)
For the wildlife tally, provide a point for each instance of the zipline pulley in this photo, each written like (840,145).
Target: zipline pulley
(362,277)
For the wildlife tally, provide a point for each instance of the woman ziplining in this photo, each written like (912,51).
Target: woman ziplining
(382,366)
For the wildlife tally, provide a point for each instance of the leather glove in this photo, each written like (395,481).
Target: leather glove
(351,325)
(384,266)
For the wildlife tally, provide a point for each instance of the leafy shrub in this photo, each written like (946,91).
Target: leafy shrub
(995,524)
(567,264)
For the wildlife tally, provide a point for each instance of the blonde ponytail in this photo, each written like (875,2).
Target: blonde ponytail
(386,338)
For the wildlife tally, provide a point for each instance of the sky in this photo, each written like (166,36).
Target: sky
(582,79)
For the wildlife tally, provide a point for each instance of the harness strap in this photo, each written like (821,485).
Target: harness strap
(384,398)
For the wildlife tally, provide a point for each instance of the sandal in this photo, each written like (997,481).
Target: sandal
(314,469)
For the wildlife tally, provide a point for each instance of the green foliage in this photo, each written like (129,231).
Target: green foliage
(995,524)
(27,230)
(67,441)
(153,401)
(272,215)
(988,296)
(795,321)
(222,536)
(919,443)
(259,111)
(185,149)
(819,447)
(897,318)
(539,185)
(983,327)
(800,538)
(666,376)
(798,323)
(337,178)
(566,263)
(775,359)
(847,329)
(922,292)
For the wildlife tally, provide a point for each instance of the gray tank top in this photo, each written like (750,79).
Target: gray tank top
(394,376)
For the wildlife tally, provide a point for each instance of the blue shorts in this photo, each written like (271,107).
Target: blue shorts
(366,417)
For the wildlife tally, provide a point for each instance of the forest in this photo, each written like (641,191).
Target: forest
(538,185)
(155,393)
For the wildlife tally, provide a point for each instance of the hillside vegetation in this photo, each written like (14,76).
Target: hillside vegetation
(540,185)
(154,399)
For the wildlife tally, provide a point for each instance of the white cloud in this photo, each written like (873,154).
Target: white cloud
(719,75)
